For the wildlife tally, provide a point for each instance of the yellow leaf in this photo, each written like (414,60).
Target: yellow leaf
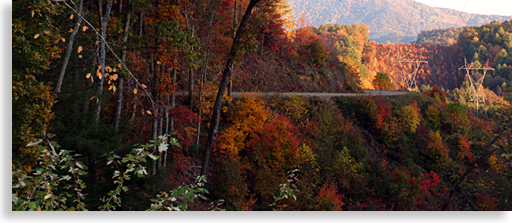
(63,40)
(114,77)
(144,86)
(36,36)
(79,56)
(108,69)
(99,75)
(32,13)
(70,30)
(158,62)
(91,98)
(46,32)
(109,87)
(135,91)
(114,88)
(71,16)
(109,83)
(79,49)
(38,209)
(88,75)
(149,112)
(114,70)
(85,28)
(119,65)
(97,42)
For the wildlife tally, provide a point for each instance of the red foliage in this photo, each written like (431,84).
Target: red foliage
(382,113)
(183,115)
(276,144)
(486,202)
(328,198)
(416,191)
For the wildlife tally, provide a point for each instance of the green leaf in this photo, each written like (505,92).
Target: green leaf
(14,198)
(174,142)
(32,205)
(152,156)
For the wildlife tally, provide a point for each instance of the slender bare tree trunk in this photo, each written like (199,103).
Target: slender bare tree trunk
(69,49)
(155,110)
(104,23)
(235,18)
(119,102)
(203,75)
(215,118)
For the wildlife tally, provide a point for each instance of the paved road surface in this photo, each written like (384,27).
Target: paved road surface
(323,95)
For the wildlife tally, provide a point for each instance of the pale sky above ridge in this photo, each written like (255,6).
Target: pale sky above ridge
(487,7)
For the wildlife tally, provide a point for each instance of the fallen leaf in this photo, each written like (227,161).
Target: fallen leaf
(63,40)
(71,16)
(36,36)
(80,56)
(88,75)
(79,49)
(149,112)
(144,86)
(135,91)
(119,65)
(85,28)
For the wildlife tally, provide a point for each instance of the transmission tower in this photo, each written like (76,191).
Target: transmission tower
(476,89)
(409,78)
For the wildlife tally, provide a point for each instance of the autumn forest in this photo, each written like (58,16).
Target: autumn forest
(129,105)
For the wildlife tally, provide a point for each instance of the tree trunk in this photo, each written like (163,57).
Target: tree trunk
(235,17)
(191,87)
(69,49)
(104,22)
(154,91)
(119,102)
(203,75)
(214,120)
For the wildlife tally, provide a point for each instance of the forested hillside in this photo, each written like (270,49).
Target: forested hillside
(487,45)
(125,105)
(388,20)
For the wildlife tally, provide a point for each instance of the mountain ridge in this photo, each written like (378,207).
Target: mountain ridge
(388,20)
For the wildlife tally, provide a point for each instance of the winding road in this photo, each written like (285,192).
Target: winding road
(322,95)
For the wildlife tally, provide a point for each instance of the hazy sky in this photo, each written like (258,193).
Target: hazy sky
(496,7)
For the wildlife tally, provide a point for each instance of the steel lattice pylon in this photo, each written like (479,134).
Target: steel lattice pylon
(409,78)
(476,89)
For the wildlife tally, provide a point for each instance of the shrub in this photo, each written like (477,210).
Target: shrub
(381,81)
(411,115)
(317,53)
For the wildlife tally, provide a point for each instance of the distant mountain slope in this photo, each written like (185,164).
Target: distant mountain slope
(387,19)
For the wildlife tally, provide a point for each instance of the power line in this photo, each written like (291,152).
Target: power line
(460,14)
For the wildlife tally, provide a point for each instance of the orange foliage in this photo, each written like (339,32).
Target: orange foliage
(465,152)
(246,114)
